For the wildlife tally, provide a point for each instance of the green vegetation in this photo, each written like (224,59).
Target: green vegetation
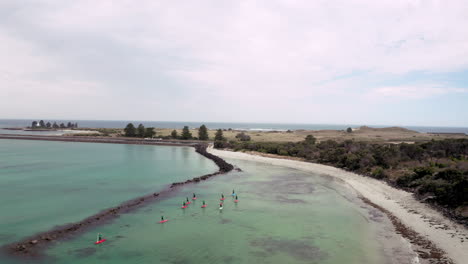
(130,130)
(203,133)
(186,133)
(174,134)
(436,170)
(43,125)
(149,132)
(349,130)
(140,131)
(243,137)
(219,135)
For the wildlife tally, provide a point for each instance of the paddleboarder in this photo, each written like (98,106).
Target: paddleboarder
(204,205)
(233,192)
(99,237)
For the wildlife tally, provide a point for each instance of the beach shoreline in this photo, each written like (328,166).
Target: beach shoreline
(433,235)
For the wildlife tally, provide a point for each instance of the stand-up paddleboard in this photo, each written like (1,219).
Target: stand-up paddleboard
(203,206)
(163,221)
(188,202)
(221,208)
(194,198)
(236,201)
(222,199)
(183,207)
(100,241)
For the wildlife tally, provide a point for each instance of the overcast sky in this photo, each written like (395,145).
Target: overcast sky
(361,62)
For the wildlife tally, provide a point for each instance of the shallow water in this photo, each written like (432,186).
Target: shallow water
(283,216)
(44,183)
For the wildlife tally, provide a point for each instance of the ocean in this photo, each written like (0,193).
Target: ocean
(215,125)
(283,215)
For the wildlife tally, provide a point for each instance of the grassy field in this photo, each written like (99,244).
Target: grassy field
(391,134)
(367,134)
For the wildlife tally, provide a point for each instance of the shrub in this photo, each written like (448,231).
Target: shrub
(378,173)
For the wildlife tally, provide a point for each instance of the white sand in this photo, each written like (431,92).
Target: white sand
(429,223)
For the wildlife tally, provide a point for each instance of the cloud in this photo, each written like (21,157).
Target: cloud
(412,92)
(277,59)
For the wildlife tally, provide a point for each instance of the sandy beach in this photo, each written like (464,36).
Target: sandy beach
(450,237)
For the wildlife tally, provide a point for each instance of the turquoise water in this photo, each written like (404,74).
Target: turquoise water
(43,183)
(302,220)
(283,216)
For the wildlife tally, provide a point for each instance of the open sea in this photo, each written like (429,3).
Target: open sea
(283,215)
(212,125)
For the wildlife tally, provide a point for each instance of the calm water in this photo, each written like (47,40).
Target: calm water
(216,125)
(43,183)
(284,215)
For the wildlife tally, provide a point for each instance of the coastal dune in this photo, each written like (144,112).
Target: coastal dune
(428,224)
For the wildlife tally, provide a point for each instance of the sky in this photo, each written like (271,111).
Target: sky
(397,62)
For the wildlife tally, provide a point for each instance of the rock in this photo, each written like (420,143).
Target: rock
(21,247)
(33,242)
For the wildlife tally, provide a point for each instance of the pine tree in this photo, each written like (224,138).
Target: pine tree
(219,135)
(55,125)
(48,125)
(130,130)
(34,124)
(203,133)
(174,134)
(186,133)
(62,125)
(42,124)
(141,130)
(149,132)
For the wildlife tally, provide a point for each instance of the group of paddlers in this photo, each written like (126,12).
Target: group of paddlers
(187,201)
(185,205)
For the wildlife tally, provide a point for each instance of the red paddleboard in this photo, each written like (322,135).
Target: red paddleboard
(163,221)
(236,201)
(203,206)
(222,199)
(183,207)
(100,241)
(188,202)
(194,198)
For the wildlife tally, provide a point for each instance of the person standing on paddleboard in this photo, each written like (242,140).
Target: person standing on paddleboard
(99,237)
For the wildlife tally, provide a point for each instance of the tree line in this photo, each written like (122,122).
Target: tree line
(187,135)
(140,131)
(131,131)
(434,170)
(43,125)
